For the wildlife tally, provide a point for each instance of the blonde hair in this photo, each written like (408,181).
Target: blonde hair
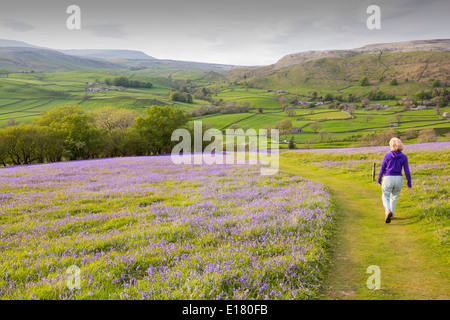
(396,144)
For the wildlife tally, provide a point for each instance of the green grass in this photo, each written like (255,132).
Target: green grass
(25,95)
(412,251)
(222,121)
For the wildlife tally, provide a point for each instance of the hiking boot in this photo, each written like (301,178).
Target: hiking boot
(388,216)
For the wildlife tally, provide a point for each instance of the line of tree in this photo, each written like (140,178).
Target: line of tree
(125,82)
(380,95)
(70,133)
(180,96)
(422,95)
(223,108)
(383,137)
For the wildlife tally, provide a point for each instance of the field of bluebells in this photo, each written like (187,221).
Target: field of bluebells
(429,164)
(143,228)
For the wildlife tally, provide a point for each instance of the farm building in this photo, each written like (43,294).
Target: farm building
(422,107)
(378,106)
(303,102)
(93,89)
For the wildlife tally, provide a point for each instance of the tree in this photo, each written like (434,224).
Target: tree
(309,142)
(328,97)
(125,82)
(291,143)
(427,135)
(114,123)
(440,101)
(436,83)
(12,122)
(82,140)
(20,144)
(368,117)
(188,98)
(156,127)
(294,99)
(269,130)
(283,100)
(378,138)
(284,126)
(398,116)
(3,149)
(351,110)
(393,82)
(315,126)
(419,95)
(322,134)
(73,125)
(176,96)
(291,112)
(56,117)
(411,133)
(364,81)
(180,96)
(366,101)
(121,81)
(111,118)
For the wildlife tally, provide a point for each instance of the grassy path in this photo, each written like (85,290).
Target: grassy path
(409,267)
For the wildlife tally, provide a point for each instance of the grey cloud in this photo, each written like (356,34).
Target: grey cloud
(16,25)
(112,30)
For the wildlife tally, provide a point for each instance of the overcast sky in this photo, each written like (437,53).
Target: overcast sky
(240,32)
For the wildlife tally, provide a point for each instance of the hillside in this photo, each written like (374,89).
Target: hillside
(15,43)
(17,56)
(230,101)
(107,54)
(27,58)
(413,61)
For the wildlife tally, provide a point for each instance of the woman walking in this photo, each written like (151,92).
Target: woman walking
(391,168)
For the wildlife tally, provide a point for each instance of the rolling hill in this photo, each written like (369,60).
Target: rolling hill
(108,54)
(406,61)
(28,58)
(20,56)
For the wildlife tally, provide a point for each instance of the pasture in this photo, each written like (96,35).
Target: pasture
(26,95)
(145,228)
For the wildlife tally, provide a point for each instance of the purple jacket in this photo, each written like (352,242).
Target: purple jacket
(392,166)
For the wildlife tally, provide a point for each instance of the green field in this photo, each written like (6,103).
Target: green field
(26,95)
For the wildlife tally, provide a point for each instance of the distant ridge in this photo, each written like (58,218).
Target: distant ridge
(18,44)
(408,46)
(108,54)
(31,58)
(421,60)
